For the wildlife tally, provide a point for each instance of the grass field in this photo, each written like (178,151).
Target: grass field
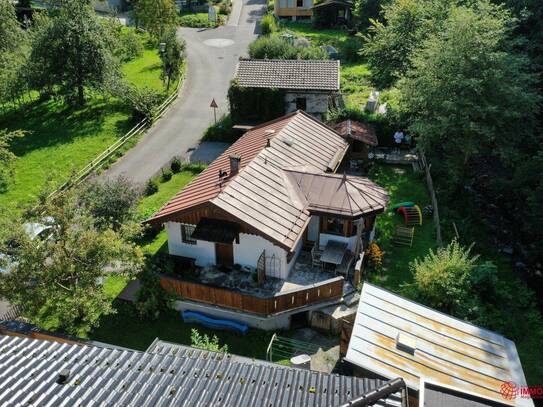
(125,328)
(402,185)
(355,73)
(62,140)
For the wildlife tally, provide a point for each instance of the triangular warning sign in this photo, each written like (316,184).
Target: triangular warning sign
(213,103)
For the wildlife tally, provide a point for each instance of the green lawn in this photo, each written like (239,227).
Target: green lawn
(114,284)
(125,328)
(355,74)
(403,185)
(145,71)
(63,140)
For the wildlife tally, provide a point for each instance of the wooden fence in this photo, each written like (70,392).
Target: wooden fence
(280,302)
(432,192)
(138,129)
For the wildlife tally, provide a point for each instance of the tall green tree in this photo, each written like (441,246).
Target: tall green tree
(172,57)
(10,30)
(390,43)
(58,281)
(365,11)
(70,51)
(156,16)
(468,93)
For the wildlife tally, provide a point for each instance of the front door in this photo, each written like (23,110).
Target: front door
(224,254)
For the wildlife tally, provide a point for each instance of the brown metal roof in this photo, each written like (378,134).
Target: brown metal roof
(288,74)
(447,351)
(208,185)
(261,196)
(341,195)
(357,131)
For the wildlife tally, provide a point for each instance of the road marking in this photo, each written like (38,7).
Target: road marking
(219,42)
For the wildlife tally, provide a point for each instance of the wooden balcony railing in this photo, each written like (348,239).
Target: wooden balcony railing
(315,293)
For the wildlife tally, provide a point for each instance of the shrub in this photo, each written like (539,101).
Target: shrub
(204,342)
(221,131)
(272,47)
(350,49)
(443,279)
(375,257)
(151,187)
(225,8)
(314,53)
(166,175)
(176,165)
(152,299)
(111,202)
(143,101)
(268,24)
(196,20)
(129,46)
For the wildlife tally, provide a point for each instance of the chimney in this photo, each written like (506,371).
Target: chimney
(406,343)
(235,160)
(269,134)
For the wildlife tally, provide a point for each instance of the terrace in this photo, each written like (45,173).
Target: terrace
(239,288)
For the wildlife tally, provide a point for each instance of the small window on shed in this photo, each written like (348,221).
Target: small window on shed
(299,3)
(301,104)
(186,234)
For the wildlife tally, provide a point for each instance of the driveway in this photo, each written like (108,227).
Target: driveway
(212,55)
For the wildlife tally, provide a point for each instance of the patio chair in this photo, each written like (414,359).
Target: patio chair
(316,254)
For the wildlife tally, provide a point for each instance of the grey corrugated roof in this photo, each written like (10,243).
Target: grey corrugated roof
(29,370)
(436,396)
(448,351)
(288,74)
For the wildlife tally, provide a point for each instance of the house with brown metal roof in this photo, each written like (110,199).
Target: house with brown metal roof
(309,85)
(255,208)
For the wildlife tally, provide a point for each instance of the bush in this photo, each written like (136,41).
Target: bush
(350,49)
(221,131)
(196,20)
(152,299)
(129,45)
(112,202)
(143,101)
(176,165)
(314,53)
(204,342)
(268,24)
(272,47)
(166,175)
(151,187)
(225,8)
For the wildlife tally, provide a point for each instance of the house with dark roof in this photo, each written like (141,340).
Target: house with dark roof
(245,220)
(309,85)
(443,360)
(45,373)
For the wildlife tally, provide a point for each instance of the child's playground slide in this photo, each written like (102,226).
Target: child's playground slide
(212,322)
(411,213)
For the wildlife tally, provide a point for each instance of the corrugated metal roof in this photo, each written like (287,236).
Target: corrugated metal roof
(29,370)
(289,74)
(436,396)
(448,351)
(341,195)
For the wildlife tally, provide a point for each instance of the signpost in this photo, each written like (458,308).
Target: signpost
(214,106)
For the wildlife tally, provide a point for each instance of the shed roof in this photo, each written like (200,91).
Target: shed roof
(289,74)
(29,371)
(341,195)
(438,396)
(448,351)
(357,131)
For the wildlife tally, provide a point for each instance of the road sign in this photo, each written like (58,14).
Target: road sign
(214,105)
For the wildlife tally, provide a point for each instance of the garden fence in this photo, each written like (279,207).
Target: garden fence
(430,185)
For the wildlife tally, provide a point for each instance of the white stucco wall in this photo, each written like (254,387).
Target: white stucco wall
(203,252)
(250,248)
(316,103)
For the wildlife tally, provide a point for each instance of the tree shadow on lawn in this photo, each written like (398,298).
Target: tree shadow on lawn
(51,123)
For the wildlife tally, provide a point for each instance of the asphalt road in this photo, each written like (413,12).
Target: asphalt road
(212,55)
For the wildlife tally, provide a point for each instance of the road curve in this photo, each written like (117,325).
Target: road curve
(212,55)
